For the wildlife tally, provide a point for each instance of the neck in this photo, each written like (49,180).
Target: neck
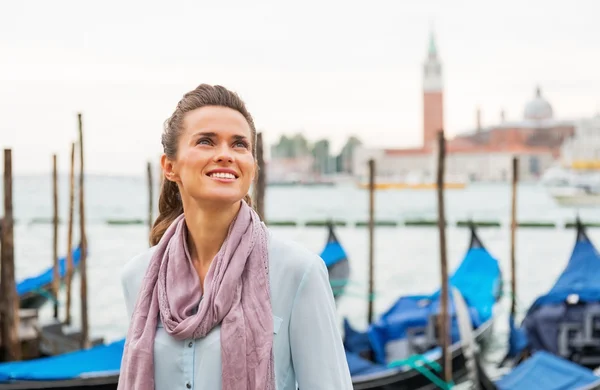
(207,230)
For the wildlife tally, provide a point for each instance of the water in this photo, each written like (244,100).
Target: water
(407,258)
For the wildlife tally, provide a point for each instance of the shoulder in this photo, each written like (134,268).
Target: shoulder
(290,259)
(134,270)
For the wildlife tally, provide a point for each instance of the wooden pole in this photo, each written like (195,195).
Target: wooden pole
(445,323)
(70,234)
(513,229)
(83,261)
(150,195)
(371,236)
(260,190)
(8,297)
(55,273)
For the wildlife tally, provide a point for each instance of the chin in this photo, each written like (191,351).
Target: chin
(221,198)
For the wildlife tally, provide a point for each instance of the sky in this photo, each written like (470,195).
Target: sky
(324,68)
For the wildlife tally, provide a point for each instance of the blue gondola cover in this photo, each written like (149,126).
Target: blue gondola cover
(579,277)
(333,253)
(549,372)
(102,359)
(37,282)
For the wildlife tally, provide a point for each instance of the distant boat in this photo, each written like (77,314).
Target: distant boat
(414,181)
(576,195)
(389,185)
(569,187)
(337,263)
(394,349)
(302,183)
(35,291)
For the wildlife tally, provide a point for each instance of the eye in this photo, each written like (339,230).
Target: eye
(204,141)
(241,144)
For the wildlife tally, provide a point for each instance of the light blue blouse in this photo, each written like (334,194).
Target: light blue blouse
(307,347)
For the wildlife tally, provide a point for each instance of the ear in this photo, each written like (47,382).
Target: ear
(255,171)
(168,168)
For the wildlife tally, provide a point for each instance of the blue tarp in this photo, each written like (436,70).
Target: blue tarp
(478,278)
(37,282)
(579,277)
(360,366)
(549,372)
(333,253)
(517,339)
(102,359)
(408,312)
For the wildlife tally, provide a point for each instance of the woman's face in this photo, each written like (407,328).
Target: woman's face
(214,162)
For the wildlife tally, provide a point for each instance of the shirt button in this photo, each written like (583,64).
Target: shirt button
(190,344)
(188,385)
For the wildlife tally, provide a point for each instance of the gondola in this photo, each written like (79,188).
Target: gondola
(337,263)
(563,325)
(35,291)
(407,332)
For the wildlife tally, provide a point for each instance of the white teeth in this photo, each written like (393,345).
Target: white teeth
(221,175)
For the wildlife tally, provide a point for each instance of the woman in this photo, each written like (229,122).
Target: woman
(218,302)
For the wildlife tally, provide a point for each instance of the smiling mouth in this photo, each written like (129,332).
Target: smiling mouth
(222,175)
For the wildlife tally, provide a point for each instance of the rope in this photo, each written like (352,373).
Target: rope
(339,285)
(422,365)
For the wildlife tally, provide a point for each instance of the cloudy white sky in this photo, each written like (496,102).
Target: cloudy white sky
(327,68)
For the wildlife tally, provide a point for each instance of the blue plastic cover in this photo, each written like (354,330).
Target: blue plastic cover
(333,253)
(37,282)
(478,279)
(579,277)
(102,359)
(549,372)
(360,366)
(517,339)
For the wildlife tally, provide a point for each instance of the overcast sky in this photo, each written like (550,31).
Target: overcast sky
(327,68)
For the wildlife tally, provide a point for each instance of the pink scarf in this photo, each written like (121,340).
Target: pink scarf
(237,297)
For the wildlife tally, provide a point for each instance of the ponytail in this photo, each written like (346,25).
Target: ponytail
(169,208)
(248,199)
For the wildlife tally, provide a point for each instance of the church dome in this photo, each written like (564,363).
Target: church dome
(538,108)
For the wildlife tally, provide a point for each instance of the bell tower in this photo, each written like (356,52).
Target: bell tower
(433,95)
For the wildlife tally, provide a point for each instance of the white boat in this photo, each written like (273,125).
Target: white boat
(576,195)
(573,188)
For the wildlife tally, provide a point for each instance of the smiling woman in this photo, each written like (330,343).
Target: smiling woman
(218,302)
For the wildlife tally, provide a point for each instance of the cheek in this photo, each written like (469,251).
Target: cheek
(248,165)
(192,158)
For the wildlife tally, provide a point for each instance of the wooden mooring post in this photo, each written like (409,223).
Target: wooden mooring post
(70,269)
(150,196)
(444,318)
(83,261)
(9,304)
(260,188)
(372,168)
(513,232)
(55,270)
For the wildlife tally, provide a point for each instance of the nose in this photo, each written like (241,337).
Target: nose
(223,154)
